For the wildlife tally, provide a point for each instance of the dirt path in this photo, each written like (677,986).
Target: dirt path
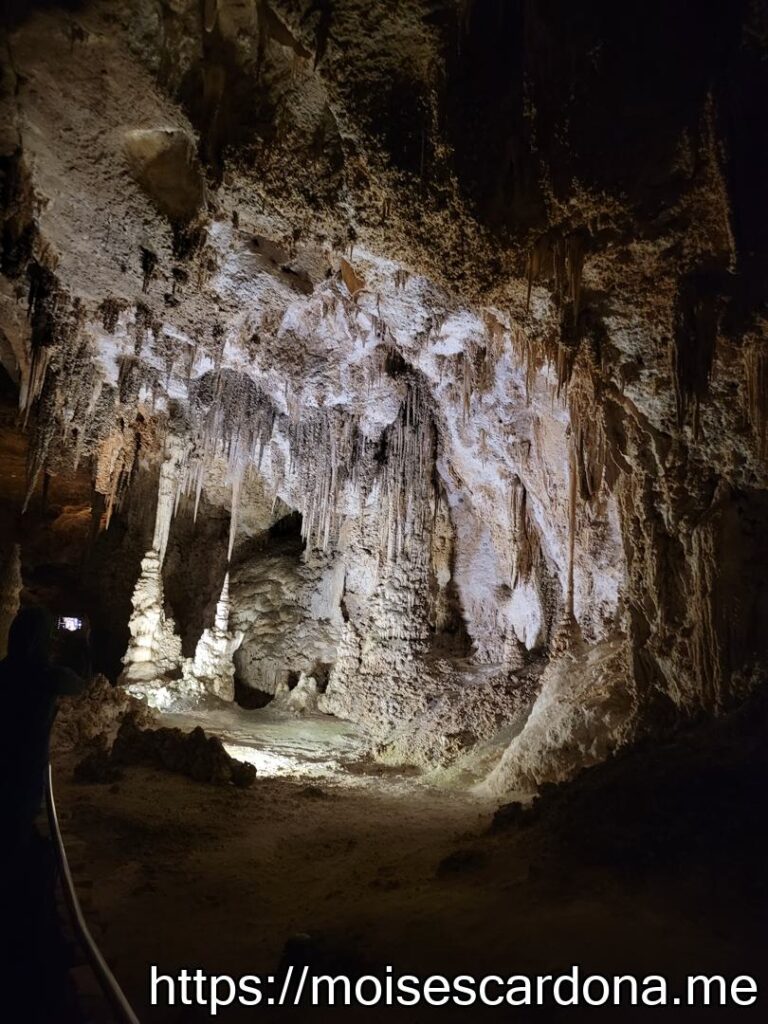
(187,875)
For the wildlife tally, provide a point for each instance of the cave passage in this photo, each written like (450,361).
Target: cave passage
(384,439)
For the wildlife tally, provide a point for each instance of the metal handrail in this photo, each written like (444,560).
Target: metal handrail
(107,981)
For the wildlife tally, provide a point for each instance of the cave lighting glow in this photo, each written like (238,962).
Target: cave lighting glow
(70,623)
(271,764)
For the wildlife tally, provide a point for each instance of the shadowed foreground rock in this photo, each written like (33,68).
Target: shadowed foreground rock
(201,757)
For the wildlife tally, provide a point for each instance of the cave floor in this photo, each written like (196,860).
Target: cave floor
(279,743)
(378,868)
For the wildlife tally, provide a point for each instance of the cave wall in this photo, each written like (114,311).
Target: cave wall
(288,608)
(477,288)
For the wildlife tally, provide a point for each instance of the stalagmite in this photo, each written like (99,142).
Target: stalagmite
(154,650)
(153,656)
(212,672)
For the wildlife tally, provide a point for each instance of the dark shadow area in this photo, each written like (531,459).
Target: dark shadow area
(250,698)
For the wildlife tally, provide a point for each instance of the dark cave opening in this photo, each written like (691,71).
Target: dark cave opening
(249,697)
(287,529)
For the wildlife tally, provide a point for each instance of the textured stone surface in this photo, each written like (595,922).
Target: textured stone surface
(476,289)
(288,612)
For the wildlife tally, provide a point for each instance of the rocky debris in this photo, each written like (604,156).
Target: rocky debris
(195,754)
(97,714)
(313,793)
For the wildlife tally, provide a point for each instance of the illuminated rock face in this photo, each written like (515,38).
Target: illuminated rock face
(212,670)
(288,612)
(154,651)
(387,274)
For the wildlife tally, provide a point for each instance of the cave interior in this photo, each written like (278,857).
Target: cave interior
(384,387)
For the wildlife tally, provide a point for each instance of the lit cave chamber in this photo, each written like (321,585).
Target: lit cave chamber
(385,387)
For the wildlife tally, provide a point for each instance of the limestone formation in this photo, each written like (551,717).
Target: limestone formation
(212,671)
(454,287)
(196,754)
(154,651)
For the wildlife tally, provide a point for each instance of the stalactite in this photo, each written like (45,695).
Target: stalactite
(170,471)
(572,506)
(44,433)
(114,464)
(561,257)
(110,310)
(237,482)
(529,355)
(597,466)
(496,334)
(351,278)
(467,378)
(148,266)
(706,651)
(31,391)
(326,450)
(142,325)
(407,475)
(526,541)
(709,632)
(46,311)
(71,404)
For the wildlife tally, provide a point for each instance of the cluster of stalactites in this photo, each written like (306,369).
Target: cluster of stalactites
(560,256)
(114,464)
(326,452)
(407,477)
(62,384)
(233,420)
